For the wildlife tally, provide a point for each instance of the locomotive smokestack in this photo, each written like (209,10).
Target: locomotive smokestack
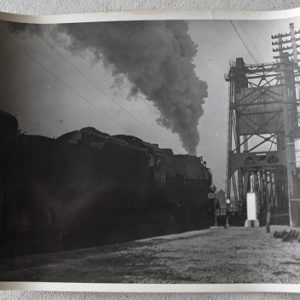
(156,58)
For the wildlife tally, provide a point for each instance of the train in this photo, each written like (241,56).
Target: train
(88,188)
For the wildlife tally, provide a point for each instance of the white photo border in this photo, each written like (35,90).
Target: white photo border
(143,16)
(151,15)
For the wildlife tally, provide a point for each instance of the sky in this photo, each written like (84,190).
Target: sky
(52,90)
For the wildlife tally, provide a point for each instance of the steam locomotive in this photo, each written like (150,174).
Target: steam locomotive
(88,188)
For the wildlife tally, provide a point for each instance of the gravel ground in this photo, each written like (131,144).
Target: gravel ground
(216,255)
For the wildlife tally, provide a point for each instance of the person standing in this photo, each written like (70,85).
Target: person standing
(217,208)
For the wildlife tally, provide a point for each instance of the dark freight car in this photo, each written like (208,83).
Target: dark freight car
(89,188)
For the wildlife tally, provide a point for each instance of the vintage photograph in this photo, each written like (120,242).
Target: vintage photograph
(150,152)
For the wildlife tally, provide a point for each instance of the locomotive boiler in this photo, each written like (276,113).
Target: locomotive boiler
(88,188)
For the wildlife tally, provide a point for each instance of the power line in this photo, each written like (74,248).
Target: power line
(60,80)
(103,91)
(242,40)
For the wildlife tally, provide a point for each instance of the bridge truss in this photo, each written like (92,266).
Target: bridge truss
(263,132)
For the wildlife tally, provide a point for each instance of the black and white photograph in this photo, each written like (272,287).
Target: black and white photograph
(150,152)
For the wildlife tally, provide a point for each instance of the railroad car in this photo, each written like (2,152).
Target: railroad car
(88,188)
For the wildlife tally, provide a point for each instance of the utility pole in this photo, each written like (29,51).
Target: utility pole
(263,130)
(288,68)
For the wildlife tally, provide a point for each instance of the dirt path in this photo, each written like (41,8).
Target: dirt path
(244,255)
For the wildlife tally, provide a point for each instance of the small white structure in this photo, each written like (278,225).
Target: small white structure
(251,211)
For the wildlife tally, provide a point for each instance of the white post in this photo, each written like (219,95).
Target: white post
(251,211)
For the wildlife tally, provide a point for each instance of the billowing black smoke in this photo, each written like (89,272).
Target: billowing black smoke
(157,59)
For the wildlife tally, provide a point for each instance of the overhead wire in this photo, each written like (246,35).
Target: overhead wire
(103,91)
(61,81)
(242,40)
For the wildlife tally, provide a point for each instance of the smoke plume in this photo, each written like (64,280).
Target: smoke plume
(157,59)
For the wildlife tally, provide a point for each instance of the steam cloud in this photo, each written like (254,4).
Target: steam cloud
(157,59)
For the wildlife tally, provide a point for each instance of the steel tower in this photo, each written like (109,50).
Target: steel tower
(263,132)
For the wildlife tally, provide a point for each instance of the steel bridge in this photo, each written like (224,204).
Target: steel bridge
(263,151)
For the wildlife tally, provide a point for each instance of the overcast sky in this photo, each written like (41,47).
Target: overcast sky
(52,91)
